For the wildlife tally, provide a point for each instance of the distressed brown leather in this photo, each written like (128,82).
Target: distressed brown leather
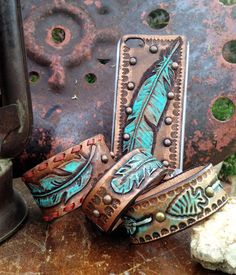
(171,151)
(94,156)
(120,186)
(175,205)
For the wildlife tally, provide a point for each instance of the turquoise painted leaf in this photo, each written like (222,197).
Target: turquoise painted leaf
(188,203)
(133,172)
(149,106)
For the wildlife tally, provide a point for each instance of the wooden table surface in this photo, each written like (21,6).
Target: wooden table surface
(72,245)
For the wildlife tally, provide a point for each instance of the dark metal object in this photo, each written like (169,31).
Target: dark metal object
(15,113)
(61,122)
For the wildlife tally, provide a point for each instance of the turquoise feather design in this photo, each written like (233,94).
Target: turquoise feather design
(66,182)
(149,105)
(134,172)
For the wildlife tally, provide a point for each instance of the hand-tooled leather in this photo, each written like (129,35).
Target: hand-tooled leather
(120,186)
(60,183)
(175,205)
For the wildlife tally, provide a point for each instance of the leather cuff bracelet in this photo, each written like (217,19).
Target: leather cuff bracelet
(120,186)
(175,205)
(60,183)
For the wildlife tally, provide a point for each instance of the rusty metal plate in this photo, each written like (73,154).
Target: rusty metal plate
(67,40)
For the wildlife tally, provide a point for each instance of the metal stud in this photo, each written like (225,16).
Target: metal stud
(168,120)
(209,191)
(96,213)
(160,216)
(128,110)
(112,154)
(107,199)
(170,95)
(165,163)
(153,49)
(104,158)
(130,85)
(126,137)
(175,65)
(167,142)
(132,61)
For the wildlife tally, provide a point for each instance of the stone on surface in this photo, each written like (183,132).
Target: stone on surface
(213,242)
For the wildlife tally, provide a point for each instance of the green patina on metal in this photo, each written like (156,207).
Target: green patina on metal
(149,105)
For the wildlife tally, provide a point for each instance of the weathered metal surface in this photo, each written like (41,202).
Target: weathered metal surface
(61,121)
(15,113)
(72,245)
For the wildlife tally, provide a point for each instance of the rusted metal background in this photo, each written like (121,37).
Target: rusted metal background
(67,109)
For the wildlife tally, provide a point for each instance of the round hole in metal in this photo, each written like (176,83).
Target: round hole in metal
(223,109)
(34,77)
(228,2)
(158,19)
(90,78)
(229,51)
(58,35)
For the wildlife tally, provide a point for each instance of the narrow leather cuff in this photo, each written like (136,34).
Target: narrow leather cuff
(120,186)
(175,205)
(60,183)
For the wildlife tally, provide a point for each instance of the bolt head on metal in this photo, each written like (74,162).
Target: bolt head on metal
(130,85)
(107,199)
(112,154)
(104,158)
(96,213)
(126,136)
(165,163)
(175,65)
(153,49)
(160,216)
(170,95)
(128,110)
(167,142)
(132,61)
(168,120)
(209,191)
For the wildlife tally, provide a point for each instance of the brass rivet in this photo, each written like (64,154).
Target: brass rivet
(96,213)
(175,65)
(126,136)
(168,120)
(130,86)
(160,216)
(170,95)
(209,191)
(128,110)
(112,154)
(132,61)
(153,49)
(165,163)
(104,158)
(107,199)
(167,142)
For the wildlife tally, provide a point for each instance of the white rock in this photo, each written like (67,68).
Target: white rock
(213,242)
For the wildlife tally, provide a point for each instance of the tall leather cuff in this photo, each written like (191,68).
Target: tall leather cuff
(60,183)
(120,186)
(175,205)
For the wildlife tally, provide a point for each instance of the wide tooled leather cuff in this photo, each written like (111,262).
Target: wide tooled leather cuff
(120,186)
(175,205)
(60,183)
